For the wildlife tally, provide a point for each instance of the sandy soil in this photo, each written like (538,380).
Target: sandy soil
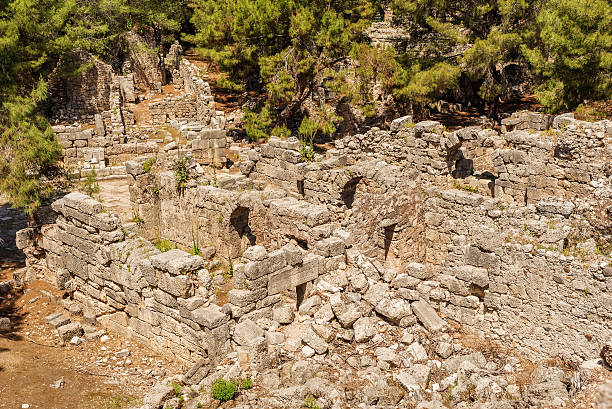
(31,359)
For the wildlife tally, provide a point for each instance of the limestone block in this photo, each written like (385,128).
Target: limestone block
(210,317)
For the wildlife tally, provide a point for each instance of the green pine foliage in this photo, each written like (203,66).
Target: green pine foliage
(573,52)
(34,36)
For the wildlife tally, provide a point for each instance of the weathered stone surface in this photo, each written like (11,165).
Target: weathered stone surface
(246,331)
(427,316)
(310,338)
(210,317)
(365,329)
(68,331)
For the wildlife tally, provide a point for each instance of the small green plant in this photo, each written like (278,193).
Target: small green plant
(223,390)
(156,190)
(147,164)
(124,233)
(90,186)
(182,175)
(177,390)
(229,271)
(220,219)
(214,178)
(281,131)
(163,245)
(137,219)
(310,403)
(467,188)
(246,384)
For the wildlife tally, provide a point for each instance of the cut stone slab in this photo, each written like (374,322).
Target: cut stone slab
(283,314)
(210,317)
(314,341)
(427,316)
(68,331)
(59,321)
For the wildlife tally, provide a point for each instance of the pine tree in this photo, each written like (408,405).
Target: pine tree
(573,52)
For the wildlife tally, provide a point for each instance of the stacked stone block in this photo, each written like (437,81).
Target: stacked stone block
(503,272)
(209,147)
(163,300)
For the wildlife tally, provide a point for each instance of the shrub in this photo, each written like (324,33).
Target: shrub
(247,383)
(311,403)
(223,390)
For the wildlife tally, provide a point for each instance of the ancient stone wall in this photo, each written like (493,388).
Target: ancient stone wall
(517,274)
(92,148)
(166,300)
(83,95)
(229,220)
(195,105)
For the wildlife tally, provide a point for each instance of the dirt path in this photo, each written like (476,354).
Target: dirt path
(95,376)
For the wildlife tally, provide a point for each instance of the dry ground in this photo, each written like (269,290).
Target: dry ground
(31,359)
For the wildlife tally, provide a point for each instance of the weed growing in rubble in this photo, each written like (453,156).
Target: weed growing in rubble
(195,243)
(163,245)
(181,174)
(223,390)
(467,188)
(214,178)
(229,271)
(310,403)
(137,219)
(177,391)
(246,384)
(89,186)
(147,164)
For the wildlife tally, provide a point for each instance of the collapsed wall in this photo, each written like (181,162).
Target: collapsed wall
(166,300)
(96,110)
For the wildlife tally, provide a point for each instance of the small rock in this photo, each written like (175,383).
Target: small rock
(68,331)
(274,338)
(444,349)
(5,323)
(58,384)
(307,307)
(246,331)
(158,372)
(307,351)
(313,340)
(365,329)
(75,309)
(283,314)
(33,300)
(59,321)
(418,352)
(75,340)
(104,338)
(123,353)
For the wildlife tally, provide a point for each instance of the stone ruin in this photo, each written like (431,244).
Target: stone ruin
(505,235)
(96,109)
